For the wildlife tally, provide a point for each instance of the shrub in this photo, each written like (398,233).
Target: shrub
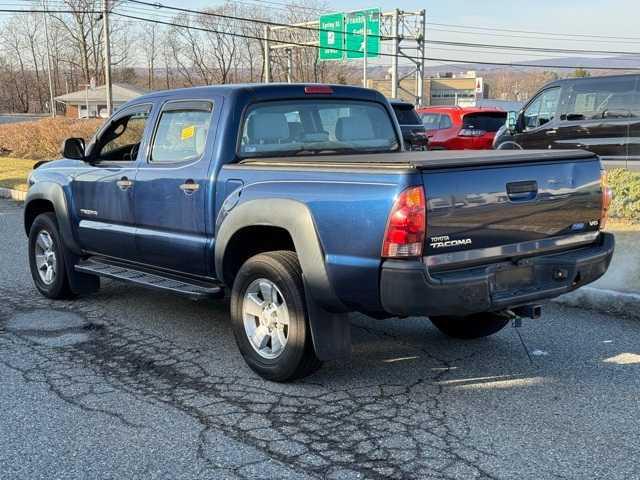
(626,195)
(41,139)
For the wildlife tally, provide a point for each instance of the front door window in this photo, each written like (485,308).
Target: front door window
(120,141)
(542,109)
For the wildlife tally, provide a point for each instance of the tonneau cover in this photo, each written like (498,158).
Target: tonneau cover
(426,160)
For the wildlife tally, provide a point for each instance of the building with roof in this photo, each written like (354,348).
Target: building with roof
(464,90)
(92,102)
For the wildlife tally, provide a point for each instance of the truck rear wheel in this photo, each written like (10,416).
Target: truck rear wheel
(269,318)
(46,258)
(473,326)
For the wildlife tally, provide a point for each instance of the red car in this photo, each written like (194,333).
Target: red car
(461,128)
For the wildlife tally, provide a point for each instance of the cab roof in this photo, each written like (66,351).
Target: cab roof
(268,91)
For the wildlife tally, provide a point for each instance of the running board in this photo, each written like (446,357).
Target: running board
(147,279)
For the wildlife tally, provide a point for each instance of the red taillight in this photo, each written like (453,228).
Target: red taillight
(406,225)
(321,89)
(607,197)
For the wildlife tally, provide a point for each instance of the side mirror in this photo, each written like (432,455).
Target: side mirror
(512,120)
(73,149)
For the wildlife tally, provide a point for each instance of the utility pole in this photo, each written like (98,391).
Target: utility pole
(421,40)
(366,51)
(107,56)
(289,65)
(395,31)
(52,104)
(267,60)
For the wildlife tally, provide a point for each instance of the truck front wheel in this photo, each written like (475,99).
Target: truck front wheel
(46,258)
(269,317)
(473,326)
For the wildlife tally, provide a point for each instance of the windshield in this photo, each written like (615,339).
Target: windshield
(487,121)
(316,126)
(406,114)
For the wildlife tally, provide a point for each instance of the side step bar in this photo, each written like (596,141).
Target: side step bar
(147,279)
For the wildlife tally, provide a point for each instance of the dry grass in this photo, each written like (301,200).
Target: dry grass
(14,172)
(42,139)
(617,225)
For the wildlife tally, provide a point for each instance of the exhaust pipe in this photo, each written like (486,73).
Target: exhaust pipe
(528,311)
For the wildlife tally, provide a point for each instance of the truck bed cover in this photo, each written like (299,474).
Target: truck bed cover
(424,160)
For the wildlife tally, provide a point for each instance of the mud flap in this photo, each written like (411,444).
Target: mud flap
(80,283)
(331,332)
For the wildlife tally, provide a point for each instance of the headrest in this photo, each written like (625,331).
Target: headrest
(268,128)
(356,127)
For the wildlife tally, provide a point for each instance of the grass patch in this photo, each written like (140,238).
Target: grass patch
(41,139)
(14,172)
(625,207)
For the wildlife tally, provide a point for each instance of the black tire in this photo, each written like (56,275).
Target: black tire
(473,326)
(298,358)
(59,287)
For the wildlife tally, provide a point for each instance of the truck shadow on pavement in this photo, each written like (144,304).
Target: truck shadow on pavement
(382,415)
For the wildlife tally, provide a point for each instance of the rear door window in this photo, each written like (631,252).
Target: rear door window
(601,98)
(445,121)
(182,131)
(431,121)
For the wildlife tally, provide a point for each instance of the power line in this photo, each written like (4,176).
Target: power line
(435,42)
(17,10)
(496,29)
(468,49)
(271,5)
(288,6)
(300,44)
(530,37)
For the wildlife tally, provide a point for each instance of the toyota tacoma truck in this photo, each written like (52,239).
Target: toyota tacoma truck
(302,203)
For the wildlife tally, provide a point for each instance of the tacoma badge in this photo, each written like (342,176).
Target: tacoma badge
(445,241)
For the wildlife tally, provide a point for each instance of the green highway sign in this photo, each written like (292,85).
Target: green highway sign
(331,37)
(345,31)
(354,33)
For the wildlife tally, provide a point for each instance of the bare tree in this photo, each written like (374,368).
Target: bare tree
(150,47)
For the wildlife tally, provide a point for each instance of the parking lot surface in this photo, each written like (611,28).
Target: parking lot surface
(133,383)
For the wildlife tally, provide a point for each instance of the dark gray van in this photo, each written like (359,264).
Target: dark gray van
(599,114)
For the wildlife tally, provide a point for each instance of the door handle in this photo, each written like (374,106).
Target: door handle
(551,132)
(124,183)
(189,187)
(522,191)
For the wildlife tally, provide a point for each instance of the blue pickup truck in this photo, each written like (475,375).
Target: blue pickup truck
(301,201)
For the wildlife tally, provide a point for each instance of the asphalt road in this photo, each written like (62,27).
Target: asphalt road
(132,383)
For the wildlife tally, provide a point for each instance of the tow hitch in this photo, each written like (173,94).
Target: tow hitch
(528,311)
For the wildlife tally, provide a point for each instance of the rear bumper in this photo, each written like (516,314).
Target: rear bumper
(408,288)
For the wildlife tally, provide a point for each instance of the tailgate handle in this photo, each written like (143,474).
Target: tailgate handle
(522,191)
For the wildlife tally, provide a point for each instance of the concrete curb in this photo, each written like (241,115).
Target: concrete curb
(603,300)
(11,194)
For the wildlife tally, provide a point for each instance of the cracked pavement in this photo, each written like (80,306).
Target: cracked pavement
(133,383)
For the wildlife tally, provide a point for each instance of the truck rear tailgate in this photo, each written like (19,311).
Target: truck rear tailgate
(478,213)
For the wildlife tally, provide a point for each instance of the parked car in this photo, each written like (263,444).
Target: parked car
(461,128)
(599,114)
(299,200)
(413,132)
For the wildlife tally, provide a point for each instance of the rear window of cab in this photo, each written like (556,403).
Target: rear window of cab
(316,126)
